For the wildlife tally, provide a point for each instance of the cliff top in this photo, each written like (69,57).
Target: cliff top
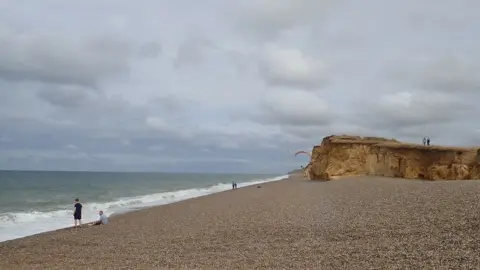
(390,143)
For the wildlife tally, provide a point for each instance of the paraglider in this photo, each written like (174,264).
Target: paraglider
(304,168)
(302,152)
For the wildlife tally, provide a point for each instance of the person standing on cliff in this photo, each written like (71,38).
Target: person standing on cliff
(424,140)
(428,141)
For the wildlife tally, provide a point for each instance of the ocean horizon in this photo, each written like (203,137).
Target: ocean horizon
(33,202)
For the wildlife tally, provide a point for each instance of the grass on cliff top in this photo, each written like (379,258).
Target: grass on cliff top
(398,145)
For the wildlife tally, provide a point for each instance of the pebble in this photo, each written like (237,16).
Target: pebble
(356,223)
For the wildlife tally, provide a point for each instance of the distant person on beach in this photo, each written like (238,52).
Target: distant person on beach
(424,140)
(304,170)
(77,214)
(103,220)
(428,141)
(233,185)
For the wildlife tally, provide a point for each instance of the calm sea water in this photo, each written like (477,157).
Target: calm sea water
(34,202)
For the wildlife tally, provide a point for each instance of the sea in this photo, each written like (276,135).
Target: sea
(33,202)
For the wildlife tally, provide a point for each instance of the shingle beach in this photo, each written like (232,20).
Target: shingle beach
(356,223)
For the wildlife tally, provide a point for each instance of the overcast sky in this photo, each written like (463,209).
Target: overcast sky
(229,86)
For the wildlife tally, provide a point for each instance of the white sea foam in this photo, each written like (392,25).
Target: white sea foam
(21,224)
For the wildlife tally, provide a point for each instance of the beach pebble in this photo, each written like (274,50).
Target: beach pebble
(358,223)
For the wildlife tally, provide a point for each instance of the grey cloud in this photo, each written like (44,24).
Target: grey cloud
(293,108)
(303,134)
(450,73)
(413,114)
(267,19)
(471,137)
(292,68)
(439,94)
(74,111)
(150,50)
(448,16)
(71,147)
(197,49)
(297,83)
(4,139)
(244,63)
(94,114)
(53,59)
(169,103)
(191,51)
(64,96)
(98,154)
(313,134)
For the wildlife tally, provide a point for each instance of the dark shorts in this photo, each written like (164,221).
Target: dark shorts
(77,216)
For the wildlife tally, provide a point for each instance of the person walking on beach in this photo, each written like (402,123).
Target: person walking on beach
(77,214)
(424,140)
(235,185)
(428,141)
(102,221)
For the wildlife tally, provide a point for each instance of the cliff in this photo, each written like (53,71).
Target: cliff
(339,156)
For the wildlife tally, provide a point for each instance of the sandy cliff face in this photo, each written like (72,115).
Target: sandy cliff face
(352,155)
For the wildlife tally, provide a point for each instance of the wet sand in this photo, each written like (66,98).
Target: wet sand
(356,223)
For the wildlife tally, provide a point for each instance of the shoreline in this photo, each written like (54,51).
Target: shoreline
(121,212)
(350,223)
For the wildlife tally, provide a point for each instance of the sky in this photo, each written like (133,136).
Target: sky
(229,86)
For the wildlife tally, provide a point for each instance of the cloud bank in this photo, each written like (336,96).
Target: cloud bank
(229,88)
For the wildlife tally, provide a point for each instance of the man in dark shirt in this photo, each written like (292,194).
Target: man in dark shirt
(77,215)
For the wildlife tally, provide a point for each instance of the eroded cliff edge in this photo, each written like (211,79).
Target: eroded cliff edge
(339,156)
